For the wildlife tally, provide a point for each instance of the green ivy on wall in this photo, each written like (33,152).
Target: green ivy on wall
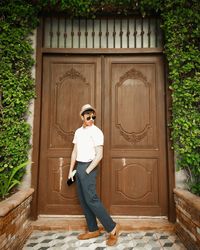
(181,26)
(17,20)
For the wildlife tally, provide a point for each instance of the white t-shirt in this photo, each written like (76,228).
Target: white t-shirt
(87,139)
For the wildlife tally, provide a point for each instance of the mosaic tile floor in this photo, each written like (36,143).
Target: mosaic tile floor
(59,240)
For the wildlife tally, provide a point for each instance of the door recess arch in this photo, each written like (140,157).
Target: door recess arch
(108,61)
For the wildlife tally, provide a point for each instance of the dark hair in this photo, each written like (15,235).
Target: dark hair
(88,111)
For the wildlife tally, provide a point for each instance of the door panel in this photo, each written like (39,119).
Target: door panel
(135,128)
(68,83)
(128,92)
(133,113)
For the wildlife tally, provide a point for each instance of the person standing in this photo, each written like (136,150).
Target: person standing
(87,153)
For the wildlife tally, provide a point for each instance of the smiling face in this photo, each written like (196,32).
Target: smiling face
(88,118)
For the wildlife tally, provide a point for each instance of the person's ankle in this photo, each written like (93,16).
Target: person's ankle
(114,230)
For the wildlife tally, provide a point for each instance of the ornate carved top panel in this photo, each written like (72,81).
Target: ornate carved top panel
(72,74)
(72,84)
(132,114)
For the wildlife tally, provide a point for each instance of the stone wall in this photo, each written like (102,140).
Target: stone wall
(187,225)
(15,226)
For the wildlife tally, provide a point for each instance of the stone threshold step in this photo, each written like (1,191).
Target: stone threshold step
(77,223)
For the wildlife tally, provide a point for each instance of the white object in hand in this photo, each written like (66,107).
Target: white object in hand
(72,175)
(73,172)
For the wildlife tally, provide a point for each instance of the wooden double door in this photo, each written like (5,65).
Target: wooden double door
(128,93)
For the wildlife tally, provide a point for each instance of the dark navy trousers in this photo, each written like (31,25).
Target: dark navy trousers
(90,202)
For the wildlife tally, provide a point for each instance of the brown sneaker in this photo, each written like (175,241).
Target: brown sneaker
(88,235)
(112,239)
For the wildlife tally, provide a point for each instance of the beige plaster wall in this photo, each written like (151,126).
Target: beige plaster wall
(26,182)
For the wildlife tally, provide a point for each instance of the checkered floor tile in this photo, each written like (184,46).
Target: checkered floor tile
(60,240)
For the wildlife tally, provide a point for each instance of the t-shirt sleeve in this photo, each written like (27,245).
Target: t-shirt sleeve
(75,138)
(98,138)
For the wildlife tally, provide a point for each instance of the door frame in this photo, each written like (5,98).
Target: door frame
(40,51)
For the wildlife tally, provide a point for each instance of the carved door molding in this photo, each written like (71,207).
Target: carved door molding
(122,86)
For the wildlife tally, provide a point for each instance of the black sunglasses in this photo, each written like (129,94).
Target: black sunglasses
(93,117)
